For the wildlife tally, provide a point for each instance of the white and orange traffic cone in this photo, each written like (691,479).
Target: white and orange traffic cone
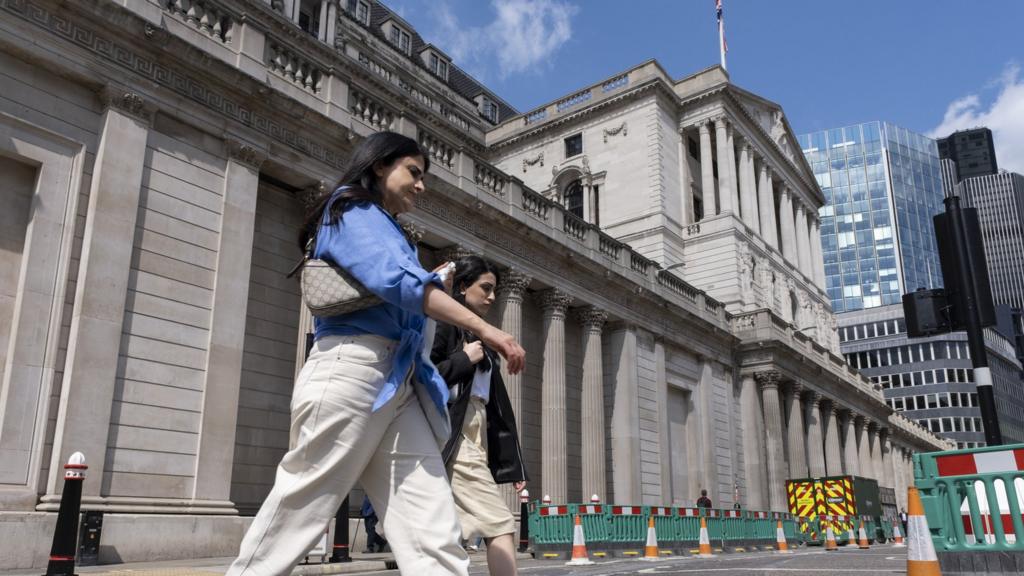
(921,558)
(651,548)
(830,538)
(851,537)
(897,536)
(780,539)
(704,548)
(862,537)
(546,500)
(595,499)
(579,546)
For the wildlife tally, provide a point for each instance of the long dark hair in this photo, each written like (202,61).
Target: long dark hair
(468,270)
(383,148)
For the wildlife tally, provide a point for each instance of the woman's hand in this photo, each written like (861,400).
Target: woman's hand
(520,486)
(504,344)
(475,351)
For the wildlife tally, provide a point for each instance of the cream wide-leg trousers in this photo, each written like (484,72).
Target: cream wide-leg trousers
(338,441)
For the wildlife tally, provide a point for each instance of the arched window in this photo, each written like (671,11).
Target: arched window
(572,198)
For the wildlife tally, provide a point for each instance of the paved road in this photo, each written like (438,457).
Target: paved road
(814,561)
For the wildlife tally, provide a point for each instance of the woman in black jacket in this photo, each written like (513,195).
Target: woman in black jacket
(483,450)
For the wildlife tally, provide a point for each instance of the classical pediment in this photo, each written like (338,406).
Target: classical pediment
(770,118)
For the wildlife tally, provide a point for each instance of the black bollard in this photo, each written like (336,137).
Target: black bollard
(524,520)
(65,536)
(339,551)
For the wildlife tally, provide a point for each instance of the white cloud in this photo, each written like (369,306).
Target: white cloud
(1004,115)
(523,35)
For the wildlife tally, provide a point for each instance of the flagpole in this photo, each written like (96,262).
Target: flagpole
(721,41)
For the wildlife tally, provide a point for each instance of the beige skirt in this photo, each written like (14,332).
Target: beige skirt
(481,507)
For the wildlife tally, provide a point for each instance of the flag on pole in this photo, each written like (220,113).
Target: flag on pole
(721,26)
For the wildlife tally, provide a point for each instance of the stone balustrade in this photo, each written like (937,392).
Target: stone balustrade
(205,16)
(609,246)
(639,263)
(370,112)
(489,178)
(536,205)
(575,228)
(440,152)
(677,285)
(294,67)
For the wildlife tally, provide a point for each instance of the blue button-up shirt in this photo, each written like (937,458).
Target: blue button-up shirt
(369,244)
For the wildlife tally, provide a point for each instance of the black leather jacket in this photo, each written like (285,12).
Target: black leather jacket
(504,454)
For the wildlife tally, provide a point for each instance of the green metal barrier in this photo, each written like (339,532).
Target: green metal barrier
(666,529)
(973,498)
(594,519)
(761,529)
(551,530)
(688,523)
(734,529)
(627,529)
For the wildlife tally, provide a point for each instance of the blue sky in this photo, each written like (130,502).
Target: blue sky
(933,66)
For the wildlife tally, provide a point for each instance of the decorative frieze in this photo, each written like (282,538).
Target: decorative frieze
(620,129)
(538,159)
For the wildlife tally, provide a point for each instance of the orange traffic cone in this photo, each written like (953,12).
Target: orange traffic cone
(921,558)
(651,549)
(897,536)
(830,538)
(579,547)
(705,541)
(851,538)
(780,539)
(862,537)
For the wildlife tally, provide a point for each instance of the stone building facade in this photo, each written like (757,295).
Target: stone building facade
(159,156)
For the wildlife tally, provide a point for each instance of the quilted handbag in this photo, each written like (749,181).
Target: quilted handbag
(328,290)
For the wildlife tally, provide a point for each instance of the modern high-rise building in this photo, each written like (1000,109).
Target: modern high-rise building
(882,186)
(973,151)
(999,199)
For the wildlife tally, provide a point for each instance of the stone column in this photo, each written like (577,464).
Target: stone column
(227,325)
(734,179)
(787,225)
(511,291)
(802,244)
(795,433)
(753,443)
(725,181)
(875,438)
(554,469)
(748,193)
(707,170)
(851,461)
(766,207)
(687,215)
(817,257)
(867,467)
(886,459)
(332,22)
(769,384)
(815,443)
(833,452)
(322,32)
(592,404)
(97,319)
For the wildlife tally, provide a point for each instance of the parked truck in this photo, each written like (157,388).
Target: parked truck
(837,500)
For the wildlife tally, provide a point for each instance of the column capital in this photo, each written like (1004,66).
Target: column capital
(795,387)
(128,102)
(453,253)
(554,302)
(311,194)
(704,125)
(814,398)
(249,155)
(591,318)
(513,284)
(721,121)
(768,379)
(745,147)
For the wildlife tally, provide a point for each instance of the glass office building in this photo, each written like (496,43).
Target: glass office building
(882,186)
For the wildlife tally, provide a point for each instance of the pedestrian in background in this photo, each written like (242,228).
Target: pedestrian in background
(704,501)
(484,447)
(367,406)
(374,541)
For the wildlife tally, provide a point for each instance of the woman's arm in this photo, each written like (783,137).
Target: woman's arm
(455,366)
(442,307)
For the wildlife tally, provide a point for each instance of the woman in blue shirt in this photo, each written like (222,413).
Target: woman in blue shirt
(368,407)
